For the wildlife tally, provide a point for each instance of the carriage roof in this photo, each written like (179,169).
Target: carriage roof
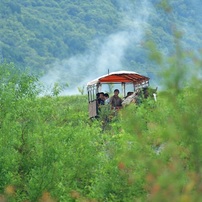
(120,77)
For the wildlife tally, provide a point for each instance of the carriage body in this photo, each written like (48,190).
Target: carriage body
(122,78)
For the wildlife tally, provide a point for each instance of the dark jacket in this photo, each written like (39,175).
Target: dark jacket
(116,101)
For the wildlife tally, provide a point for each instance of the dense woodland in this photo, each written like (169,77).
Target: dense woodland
(36,34)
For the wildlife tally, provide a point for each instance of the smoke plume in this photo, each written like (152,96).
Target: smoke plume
(107,54)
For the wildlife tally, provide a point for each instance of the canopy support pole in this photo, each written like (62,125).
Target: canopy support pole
(123,89)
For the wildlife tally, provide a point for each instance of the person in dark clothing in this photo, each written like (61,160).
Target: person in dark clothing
(97,95)
(101,99)
(115,100)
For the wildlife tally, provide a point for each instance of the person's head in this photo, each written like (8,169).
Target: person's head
(116,92)
(97,95)
(106,95)
(129,93)
(102,95)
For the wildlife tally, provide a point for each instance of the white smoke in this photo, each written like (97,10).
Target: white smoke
(107,53)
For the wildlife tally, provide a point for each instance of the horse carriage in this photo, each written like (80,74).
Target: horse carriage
(124,80)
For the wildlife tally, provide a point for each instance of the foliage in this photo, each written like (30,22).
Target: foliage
(57,88)
(37,33)
(81,89)
(42,142)
(167,136)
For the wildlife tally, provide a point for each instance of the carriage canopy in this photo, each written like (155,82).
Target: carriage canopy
(120,77)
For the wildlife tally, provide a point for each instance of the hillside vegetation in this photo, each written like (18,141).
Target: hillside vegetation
(35,34)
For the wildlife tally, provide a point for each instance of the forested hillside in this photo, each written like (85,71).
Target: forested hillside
(37,32)
(63,38)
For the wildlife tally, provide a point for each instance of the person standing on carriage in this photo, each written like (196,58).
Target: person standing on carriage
(115,100)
